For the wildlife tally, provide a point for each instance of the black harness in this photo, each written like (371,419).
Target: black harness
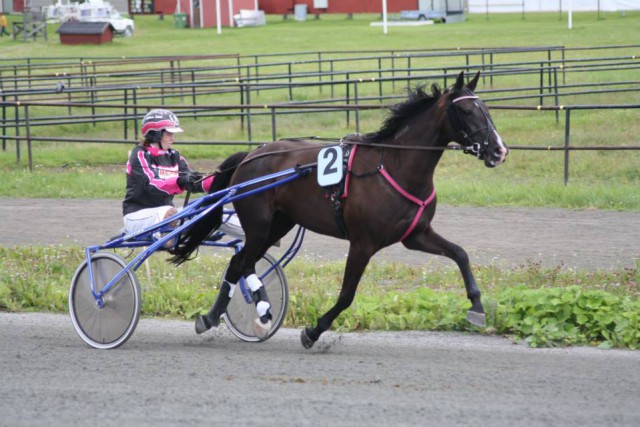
(336,193)
(471,145)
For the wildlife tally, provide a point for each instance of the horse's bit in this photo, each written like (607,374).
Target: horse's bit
(476,148)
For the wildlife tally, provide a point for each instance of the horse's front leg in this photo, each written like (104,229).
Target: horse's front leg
(357,261)
(431,242)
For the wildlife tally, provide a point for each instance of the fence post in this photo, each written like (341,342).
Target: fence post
(4,121)
(135,112)
(273,123)
(290,80)
(320,71)
(347,99)
(162,85)
(380,78)
(393,71)
(257,73)
(355,96)
(193,89)
(28,132)
(490,68)
(69,93)
(93,100)
(248,112)
(17,132)
(331,73)
(567,130)
(126,114)
(541,83)
(241,87)
(555,88)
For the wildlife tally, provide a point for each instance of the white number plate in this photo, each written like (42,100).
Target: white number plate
(330,166)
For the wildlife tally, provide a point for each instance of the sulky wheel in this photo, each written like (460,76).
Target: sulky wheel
(240,316)
(108,324)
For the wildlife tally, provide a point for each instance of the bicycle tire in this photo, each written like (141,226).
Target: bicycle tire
(240,316)
(112,325)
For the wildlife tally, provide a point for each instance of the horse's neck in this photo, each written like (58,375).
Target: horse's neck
(415,168)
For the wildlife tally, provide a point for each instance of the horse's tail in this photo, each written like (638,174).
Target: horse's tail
(193,237)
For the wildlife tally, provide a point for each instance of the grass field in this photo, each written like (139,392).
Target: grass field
(335,32)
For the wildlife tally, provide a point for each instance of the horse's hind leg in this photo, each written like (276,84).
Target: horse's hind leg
(356,263)
(433,243)
(242,266)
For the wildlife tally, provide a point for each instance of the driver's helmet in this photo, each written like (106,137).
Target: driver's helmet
(159,120)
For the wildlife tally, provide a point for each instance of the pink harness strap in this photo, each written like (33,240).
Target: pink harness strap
(349,165)
(422,203)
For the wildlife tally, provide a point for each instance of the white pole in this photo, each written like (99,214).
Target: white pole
(570,14)
(218,17)
(384,16)
(231,23)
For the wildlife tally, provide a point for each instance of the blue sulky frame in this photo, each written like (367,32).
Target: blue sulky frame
(192,213)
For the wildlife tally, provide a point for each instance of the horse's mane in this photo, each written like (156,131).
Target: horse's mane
(418,102)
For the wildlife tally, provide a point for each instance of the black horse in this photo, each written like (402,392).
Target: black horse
(387,196)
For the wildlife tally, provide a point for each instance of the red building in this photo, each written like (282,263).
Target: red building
(75,32)
(200,13)
(282,7)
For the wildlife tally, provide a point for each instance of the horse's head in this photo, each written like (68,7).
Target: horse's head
(471,123)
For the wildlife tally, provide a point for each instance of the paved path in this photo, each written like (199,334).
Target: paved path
(579,239)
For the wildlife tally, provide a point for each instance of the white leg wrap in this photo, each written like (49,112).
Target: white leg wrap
(232,289)
(253,282)
(262,307)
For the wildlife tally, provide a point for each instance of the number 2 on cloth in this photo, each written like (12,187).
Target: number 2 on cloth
(330,166)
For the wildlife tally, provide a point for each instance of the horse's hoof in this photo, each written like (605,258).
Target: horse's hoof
(202,325)
(306,341)
(476,319)
(261,330)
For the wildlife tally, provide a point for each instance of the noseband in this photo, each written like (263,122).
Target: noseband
(470,147)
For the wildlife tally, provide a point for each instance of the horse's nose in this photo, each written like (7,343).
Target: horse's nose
(500,154)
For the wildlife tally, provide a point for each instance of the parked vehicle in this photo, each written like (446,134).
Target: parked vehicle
(89,11)
(423,15)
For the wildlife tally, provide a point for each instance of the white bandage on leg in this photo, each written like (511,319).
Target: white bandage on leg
(232,289)
(262,308)
(253,282)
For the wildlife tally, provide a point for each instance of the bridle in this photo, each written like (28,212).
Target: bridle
(478,149)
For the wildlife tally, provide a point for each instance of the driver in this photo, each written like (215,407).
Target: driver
(156,173)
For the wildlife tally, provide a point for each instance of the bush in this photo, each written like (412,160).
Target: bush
(571,315)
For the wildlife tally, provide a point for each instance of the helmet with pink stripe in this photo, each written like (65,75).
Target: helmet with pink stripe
(159,120)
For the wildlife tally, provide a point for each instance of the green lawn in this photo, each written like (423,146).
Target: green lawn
(335,32)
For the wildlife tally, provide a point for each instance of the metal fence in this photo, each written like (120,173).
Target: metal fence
(37,93)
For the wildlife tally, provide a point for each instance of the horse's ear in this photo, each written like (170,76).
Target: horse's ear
(472,84)
(459,82)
